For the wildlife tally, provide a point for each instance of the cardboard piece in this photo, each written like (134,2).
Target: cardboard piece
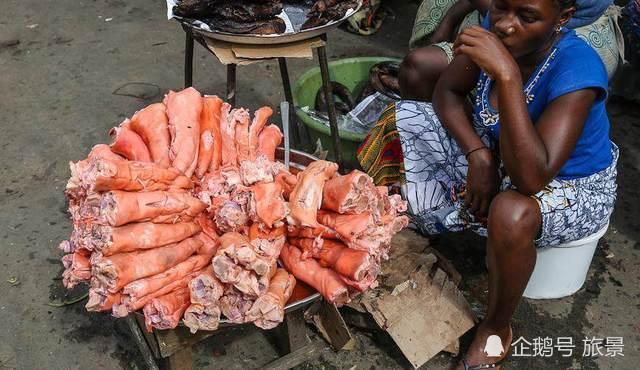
(243,54)
(418,304)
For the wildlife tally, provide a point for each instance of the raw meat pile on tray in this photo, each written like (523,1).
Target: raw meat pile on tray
(187,213)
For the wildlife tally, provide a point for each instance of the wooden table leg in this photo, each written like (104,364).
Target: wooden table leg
(331,325)
(143,346)
(335,327)
(181,360)
(297,357)
(296,347)
(292,333)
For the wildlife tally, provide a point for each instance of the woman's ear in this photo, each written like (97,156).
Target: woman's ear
(566,15)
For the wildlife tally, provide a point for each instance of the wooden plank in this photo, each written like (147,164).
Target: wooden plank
(359,319)
(425,319)
(418,303)
(171,341)
(453,348)
(333,328)
(438,282)
(181,360)
(447,266)
(292,333)
(419,292)
(297,357)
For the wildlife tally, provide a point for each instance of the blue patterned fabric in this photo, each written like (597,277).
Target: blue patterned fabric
(436,171)
(570,66)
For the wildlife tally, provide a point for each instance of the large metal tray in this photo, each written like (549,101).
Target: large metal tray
(297,14)
(298,160)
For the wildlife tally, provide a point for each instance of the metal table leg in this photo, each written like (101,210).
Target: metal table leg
(188,58)
(299,132)
(231,84)
(331,108)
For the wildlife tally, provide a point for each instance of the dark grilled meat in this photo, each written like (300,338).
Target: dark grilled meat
(261,27)
(235,10)
(317,18)
(321,6)
(195,8)
(250,11)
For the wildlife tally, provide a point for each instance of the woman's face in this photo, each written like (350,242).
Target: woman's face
(526,26)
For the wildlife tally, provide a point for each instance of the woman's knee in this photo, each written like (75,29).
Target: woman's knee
(513,216)
(419,72)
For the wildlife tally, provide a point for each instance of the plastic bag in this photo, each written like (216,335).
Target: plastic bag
(361,119)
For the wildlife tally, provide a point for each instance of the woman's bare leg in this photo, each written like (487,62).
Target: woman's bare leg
(514,223)
(419,72)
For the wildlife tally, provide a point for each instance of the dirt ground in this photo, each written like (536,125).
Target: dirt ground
(60,64)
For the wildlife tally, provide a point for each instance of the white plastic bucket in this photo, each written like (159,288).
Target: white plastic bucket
(561,271)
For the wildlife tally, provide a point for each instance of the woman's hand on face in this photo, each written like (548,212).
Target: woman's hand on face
(482,183)
(488,52)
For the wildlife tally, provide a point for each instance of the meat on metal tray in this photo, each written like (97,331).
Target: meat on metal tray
(295,12)
(303,295)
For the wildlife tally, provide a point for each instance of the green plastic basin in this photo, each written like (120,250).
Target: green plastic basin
(352,73)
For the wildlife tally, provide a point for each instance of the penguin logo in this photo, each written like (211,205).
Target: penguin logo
(493,347)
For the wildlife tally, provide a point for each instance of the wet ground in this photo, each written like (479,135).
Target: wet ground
(63,67)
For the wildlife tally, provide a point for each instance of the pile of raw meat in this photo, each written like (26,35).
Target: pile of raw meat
(186,215)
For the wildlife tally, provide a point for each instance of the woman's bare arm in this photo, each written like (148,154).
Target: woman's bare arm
(450,101)
(534,154)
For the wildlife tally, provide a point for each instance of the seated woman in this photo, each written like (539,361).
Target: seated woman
(529,163)
(438,22)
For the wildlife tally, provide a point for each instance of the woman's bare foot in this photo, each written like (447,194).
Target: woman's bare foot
(489,346)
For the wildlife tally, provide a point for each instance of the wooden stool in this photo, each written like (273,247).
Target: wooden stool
(175,345)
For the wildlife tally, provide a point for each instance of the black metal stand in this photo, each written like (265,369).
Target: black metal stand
(300,135)
(188,58)
(231,84)
(331,108)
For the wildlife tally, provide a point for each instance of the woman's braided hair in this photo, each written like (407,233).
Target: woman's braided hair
(566,4)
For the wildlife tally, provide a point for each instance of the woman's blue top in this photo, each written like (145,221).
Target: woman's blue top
(570,66)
